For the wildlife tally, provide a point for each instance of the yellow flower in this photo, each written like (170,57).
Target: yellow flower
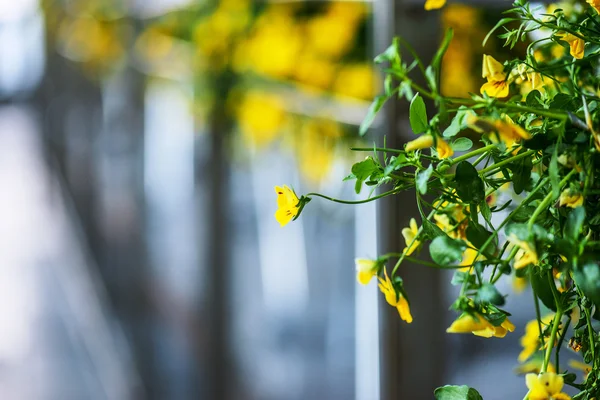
(434,4)
(356,80)
(537,81)
(365,269)
(479,326)
(468,258)
(546,386)
(497,85)
(526,254)
(585,368)
(287,201)
(443,149)
(533,366)
(570,198)
(577,45)
(394,298)
(492,69)
(260,117)
(508,132)
(410,233)
(422,142)
(531,340)
(595,4)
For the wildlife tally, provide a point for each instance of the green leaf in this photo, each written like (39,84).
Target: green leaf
(521,174)
(391,54)
(395,163)
(541,287)
(477,234)
(587,278)
(498,25)
(376,105)
(423,178)
(451,392)
(574,224)
(431,230)
(461,144)
(553,172)
(445,250)
(488,293)
(469,186)
(485,211)
(363,170)
(459,122)
(418,115)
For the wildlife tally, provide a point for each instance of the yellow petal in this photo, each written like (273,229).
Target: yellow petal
(366,269)
(443,149)
(422,142)
(570,199)
(498,89)
(595,4)
(404,310)
(492,69)
(434,4)
(551,382)
(285,215)
(467,323)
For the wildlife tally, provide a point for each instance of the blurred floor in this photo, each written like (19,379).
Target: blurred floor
(56,339)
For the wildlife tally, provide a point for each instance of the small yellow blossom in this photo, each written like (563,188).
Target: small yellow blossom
(434,4)
(531,340)
(506,129)
(410,233)
(365,270)
(546,386)
(497,84)
(443,149)
(479,326)
(287,201)
(422,142)
(469,257)
(394,298)
(533,366)
(526,254)
(595,4)
(577,45)
(583,367)
(570,198)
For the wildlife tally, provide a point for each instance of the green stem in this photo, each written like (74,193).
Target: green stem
(472,154)
(547,200)
(555,325)
(507,161)
(379,196)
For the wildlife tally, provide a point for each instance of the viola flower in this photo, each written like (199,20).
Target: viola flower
(410,233)
(570,198)
(497,84)
(577,45)
(365,270)
(479,326)
(526,254)
(443,149)
(434,4)
(507,131)
(595,4)
(531,340)
(546,386)
(287,203)
(394,298)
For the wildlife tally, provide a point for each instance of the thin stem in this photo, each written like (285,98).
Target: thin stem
(555,325)
(547,200)
(507,161)
(379,196)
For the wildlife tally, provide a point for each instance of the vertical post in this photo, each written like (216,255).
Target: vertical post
(410,361)
(220,371)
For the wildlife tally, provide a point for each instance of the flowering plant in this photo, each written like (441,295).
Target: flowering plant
(521,205)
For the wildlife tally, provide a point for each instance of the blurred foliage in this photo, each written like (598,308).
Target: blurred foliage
(260,65)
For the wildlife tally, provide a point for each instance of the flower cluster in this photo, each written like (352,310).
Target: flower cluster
(518,202)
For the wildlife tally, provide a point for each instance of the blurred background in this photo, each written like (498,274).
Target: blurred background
(140,142)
